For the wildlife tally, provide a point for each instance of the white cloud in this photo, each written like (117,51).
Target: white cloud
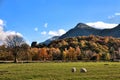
(101,25)
(1,22)
(57,33)
(36,29)
(13,33)
(114,15)
(44,33)
(117,14)
(46,25)
(4,34)
(52,33)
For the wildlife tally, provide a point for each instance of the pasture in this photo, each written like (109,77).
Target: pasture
(60,71)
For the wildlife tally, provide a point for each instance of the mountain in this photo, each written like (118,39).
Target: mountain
(51,39)
(82,29)
(114,32)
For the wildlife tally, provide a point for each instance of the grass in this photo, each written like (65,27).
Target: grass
(60,71)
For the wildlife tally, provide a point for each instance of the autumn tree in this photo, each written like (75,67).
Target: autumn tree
(14,43)
(57,54)
(64,54)
(43,54)
(78,53)
(25,52)
(71,54)
(4,53)
(50,53)
(33,53)
(96,56)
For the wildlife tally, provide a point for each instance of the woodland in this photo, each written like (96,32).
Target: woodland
(81,48)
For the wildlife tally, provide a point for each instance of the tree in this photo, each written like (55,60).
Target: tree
(119,52)
(25,50)
(78,53)
(34,53)
(71,54)
(14,43)
(64,55)
(34,44)
(4,54)
(43,54)
(112,52)
(57,54)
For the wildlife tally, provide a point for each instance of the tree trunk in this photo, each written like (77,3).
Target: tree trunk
(15,59)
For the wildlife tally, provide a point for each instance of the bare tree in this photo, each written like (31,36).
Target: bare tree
(14,43)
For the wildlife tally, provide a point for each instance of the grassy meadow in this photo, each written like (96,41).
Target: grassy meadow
(60,71)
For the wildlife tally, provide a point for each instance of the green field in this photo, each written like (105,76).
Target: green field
(60,71)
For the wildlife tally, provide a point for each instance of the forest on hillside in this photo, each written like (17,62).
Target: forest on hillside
(69,49)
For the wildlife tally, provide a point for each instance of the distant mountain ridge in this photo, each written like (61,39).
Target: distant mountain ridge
(82,29)
(51,39)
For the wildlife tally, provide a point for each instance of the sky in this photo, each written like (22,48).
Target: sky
(38,20)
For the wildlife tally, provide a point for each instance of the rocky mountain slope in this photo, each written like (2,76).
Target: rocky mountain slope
(82,29)
(85,30)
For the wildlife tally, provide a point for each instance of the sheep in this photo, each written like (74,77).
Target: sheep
(73,69)
(83,70)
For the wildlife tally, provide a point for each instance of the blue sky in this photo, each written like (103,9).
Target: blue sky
(38,20)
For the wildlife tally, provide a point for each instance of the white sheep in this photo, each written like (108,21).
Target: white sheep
(84,70)
(73,69)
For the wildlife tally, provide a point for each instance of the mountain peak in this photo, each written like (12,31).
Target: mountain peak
(82,29)
(82,25)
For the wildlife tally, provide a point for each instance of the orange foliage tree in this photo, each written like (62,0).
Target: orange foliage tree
(43,55)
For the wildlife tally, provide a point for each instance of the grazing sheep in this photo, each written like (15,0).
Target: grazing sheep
(73,69)
(84,70)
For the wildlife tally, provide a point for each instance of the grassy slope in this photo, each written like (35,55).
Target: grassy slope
(60,71)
